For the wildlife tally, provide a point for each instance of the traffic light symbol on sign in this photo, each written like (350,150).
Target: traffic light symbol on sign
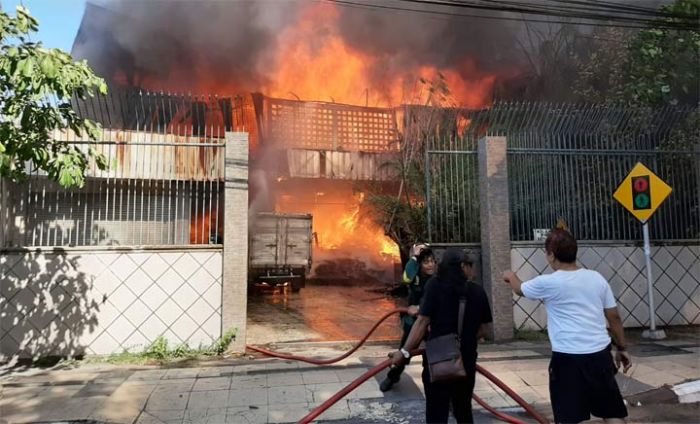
(641,196)
(642,192)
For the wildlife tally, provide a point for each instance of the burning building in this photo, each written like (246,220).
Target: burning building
(332,79)
(298,49)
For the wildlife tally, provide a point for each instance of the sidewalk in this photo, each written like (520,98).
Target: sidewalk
(268,390)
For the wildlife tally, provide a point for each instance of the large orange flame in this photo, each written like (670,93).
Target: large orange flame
(341,227)
(313,62)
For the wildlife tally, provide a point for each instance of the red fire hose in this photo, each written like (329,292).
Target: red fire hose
(332,360)
(367,375)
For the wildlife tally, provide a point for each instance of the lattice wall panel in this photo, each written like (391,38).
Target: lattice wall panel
(676,272)
(329,126)
(100,303)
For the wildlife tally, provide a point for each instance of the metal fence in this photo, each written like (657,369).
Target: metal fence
(452,196)
(163,185)
(566,161)
(578,187)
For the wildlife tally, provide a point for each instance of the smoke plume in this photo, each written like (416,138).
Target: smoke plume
(242,46)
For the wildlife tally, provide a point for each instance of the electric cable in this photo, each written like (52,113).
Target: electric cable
(597,22)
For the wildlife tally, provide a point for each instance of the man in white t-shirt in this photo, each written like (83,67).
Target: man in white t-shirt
(578,301)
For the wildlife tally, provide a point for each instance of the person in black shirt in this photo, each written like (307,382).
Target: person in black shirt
(438,316)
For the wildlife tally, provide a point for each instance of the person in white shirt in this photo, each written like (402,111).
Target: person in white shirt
(578,302)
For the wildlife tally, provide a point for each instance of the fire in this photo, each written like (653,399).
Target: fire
(462,125)
(307,53)
(350,220)
(343,228)
(389,248)
(340,226)
(313,62)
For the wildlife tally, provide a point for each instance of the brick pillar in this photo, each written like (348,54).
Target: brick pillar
(495,232)
(235,261)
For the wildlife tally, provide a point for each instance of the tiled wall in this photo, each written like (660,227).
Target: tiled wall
(676,271)
(71,301)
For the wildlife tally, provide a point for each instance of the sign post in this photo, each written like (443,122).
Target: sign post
(650,287)
(641,193)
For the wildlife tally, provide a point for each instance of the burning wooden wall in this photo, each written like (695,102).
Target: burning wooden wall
(329,126)
(153,156)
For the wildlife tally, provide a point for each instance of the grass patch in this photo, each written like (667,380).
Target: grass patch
(531,335)
(160,352)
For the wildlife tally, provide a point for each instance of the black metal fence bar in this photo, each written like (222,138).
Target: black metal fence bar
(162,186)
(566,161)
(579,188)
(453,199)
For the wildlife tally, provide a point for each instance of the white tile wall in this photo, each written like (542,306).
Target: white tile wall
(70,302)
(676,271)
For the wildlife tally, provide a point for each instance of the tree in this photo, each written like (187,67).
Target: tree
(547,49)
(663,63)
(432,116)
(656,66)
(37,85)
(601,66)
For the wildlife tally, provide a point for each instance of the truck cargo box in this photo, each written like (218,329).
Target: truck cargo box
(280,248)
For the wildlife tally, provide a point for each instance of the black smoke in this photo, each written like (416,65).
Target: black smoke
(233,43)
(231,46)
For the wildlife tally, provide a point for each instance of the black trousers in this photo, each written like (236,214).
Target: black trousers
(581,385)
(395,372)
(439,396)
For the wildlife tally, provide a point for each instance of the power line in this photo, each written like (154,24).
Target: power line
(539,9)
(623,8)
(380,7)
(595,6)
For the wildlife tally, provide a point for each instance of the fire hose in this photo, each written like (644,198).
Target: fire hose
(386,363)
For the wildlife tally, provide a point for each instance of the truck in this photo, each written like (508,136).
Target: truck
(280,249)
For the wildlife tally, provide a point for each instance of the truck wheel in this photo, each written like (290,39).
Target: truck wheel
(298,284)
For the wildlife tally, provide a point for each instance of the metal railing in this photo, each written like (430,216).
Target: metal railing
(163,184)
(452,196)
(578,186)
(566,161)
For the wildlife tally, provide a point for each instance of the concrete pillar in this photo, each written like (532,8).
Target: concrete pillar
(234,306)
(495,232)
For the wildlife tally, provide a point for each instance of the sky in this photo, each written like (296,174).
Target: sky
(58,19)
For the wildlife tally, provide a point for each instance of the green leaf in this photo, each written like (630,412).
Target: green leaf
(29,74)
(48,67)
(66,179)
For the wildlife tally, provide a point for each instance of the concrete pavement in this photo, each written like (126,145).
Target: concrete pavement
(266,390)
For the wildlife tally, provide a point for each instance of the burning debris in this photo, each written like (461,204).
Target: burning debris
(348,244)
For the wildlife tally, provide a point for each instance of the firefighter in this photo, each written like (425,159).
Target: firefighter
(420,267)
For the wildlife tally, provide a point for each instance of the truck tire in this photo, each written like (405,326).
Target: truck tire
(298,283)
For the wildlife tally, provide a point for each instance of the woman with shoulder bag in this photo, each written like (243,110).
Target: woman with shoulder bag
(449,365)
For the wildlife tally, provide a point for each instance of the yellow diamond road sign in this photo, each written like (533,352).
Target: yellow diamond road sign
(642,192)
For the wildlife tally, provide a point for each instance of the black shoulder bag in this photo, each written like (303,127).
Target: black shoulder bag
(443,353)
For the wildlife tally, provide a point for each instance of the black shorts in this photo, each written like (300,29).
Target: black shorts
(584,385)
